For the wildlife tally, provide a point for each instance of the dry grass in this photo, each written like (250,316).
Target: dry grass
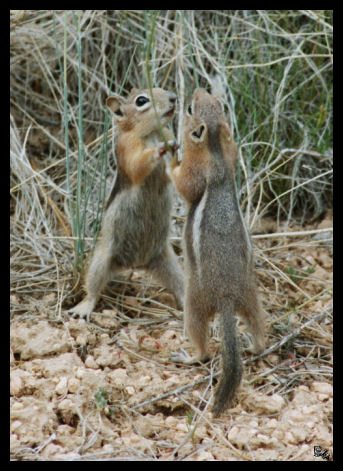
(277,66)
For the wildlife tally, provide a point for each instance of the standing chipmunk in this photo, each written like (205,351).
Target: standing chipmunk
(136,221)
(218,254)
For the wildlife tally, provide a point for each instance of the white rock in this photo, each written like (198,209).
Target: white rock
(310,410)
(299,434)
(172,380)
(38,340)
(130,390)
(14,442)
(17,406)
(90,362)
(51,449)
(118,377)
(73,385)
(233,433)
(71,456)
(137,442)
(66,405)
(16,425)
(264,440)
(263,403)
(49,298)
(105,355)
(108,448)
(81,339)
(80,372)
(322,388)
(294,415)
(276,403)
(16,385)
(171,421)
(202,455)
(144,381)
(241,437)
(62,386)
(58,366)
(289,437)
(196,394)
(182,427)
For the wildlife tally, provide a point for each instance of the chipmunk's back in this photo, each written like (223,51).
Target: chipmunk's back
(217,239)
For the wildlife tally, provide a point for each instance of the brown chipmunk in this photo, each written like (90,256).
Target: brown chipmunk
(136,221)
(218,254)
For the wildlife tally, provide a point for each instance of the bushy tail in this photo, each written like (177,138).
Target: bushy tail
(232,364)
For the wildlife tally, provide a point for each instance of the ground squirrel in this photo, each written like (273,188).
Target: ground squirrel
(136,221)
(218,255)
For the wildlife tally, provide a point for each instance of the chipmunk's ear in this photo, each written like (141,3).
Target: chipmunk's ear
(228,144)
(116,104)
(225,131)
(198,133)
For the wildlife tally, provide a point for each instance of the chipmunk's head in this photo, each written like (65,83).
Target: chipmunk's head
(142,110)
(203,116)
(205,126)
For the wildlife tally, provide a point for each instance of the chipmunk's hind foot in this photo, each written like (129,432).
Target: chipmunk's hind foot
(83,309)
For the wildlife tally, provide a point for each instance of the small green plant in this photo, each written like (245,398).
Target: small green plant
(296,275)
(102,399)
(189,418)
(191,428)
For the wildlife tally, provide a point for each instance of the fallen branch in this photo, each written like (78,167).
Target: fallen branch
(292,234)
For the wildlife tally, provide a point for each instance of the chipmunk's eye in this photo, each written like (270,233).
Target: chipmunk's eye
(189,110)
(141,100)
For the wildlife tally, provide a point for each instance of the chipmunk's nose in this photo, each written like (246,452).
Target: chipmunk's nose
(172,97)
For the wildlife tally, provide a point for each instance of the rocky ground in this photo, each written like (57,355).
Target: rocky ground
(108,391)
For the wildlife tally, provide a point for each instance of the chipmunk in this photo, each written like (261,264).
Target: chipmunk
(218,254)
(136,220)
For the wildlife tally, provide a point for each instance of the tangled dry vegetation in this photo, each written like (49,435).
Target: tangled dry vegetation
(107,390)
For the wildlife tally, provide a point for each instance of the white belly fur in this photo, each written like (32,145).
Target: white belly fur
(197,233)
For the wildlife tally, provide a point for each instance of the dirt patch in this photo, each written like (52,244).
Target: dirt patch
(108,391)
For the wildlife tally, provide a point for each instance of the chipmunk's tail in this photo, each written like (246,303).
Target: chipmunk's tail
(232,364)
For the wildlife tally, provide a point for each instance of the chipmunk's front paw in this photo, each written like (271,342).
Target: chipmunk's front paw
(174,146)
(164,149)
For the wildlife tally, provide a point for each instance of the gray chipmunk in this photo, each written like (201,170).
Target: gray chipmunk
(137,215)
(217,249)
